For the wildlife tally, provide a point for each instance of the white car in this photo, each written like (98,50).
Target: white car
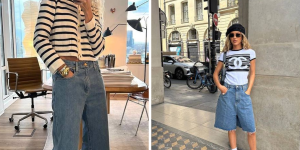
(179,65)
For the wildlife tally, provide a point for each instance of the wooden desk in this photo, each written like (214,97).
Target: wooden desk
(118,89)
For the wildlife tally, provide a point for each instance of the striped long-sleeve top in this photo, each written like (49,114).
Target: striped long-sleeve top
(57,34)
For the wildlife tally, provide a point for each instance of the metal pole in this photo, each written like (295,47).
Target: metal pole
(145,50)
(161,51)
(209,48)
(166,34)
(213,50)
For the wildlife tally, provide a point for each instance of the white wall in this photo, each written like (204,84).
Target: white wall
(116,43)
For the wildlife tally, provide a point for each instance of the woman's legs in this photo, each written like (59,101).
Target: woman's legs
(232,138)
(95,121)
(67,103)
(252,140)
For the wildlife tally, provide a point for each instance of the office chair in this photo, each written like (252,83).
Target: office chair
(141,97)
(25,77)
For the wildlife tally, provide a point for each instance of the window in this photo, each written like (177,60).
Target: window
(185,12)
(25,16)
(192,34)
(175,36)
(199,11)
(166,59)
(3,56)
(232,3)
(136,39)
(172,15)
(234,21)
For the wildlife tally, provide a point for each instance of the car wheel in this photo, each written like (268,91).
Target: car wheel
(179,74)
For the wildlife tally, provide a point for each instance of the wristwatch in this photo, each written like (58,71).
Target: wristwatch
(64,71)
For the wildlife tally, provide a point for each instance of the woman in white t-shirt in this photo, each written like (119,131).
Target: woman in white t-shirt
(234,106)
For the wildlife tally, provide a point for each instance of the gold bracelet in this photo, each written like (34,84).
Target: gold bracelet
(64,71)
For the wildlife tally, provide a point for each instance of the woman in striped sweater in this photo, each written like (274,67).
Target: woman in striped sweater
(68,38)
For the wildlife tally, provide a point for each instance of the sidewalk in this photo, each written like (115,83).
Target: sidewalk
(190,122)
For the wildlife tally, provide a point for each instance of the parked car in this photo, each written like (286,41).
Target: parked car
(179,65)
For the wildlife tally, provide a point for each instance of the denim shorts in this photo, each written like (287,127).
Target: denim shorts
(234,109)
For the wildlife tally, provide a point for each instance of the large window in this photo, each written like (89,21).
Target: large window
(234,21)
(3,57)
(136,39)
(175,36)
(199,10)
(25,15)
(192,34)
(232,3)
(172,15)
(185,13)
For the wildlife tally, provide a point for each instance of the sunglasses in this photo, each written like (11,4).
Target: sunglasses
(231,35)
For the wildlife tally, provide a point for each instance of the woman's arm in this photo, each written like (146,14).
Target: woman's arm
(42,33)
(216,74)
(93,26)
(251,76)
(222,88)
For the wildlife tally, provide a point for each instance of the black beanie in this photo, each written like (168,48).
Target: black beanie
(235,27)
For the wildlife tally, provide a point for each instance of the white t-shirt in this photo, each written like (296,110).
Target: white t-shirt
(237,65)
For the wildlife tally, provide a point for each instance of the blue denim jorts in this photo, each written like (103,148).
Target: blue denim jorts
(234,108)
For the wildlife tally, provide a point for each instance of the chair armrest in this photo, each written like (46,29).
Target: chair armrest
(7,78)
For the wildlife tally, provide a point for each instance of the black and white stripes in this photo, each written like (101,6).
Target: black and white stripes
(56,33)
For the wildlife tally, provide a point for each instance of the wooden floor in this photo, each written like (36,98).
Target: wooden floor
(7,131)
(121,137)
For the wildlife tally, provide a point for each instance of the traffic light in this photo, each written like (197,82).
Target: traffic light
(213,6)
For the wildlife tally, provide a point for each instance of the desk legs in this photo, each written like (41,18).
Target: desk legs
(108,111)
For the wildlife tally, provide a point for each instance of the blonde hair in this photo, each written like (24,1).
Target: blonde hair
(228,46)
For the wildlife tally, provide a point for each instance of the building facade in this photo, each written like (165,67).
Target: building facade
(187,24)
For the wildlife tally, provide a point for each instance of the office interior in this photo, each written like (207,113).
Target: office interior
(17,24)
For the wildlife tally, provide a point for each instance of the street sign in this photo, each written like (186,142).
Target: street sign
(215,19)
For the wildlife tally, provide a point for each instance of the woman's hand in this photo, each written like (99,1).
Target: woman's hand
(223,89)
(247,92)
(70,74)
(86,6)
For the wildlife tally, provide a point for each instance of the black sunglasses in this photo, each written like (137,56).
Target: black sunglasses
(231,35)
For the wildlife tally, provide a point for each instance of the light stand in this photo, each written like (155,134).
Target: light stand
(108,32)
(136,24)
(132,7)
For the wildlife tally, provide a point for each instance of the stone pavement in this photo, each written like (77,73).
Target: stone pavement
(180,94)
(192,124)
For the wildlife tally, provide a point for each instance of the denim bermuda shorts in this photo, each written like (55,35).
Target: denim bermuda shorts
(234,109)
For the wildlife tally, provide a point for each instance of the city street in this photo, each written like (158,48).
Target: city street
(186,120)
(180,94)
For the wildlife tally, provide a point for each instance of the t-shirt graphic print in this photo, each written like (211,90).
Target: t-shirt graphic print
(237,65)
